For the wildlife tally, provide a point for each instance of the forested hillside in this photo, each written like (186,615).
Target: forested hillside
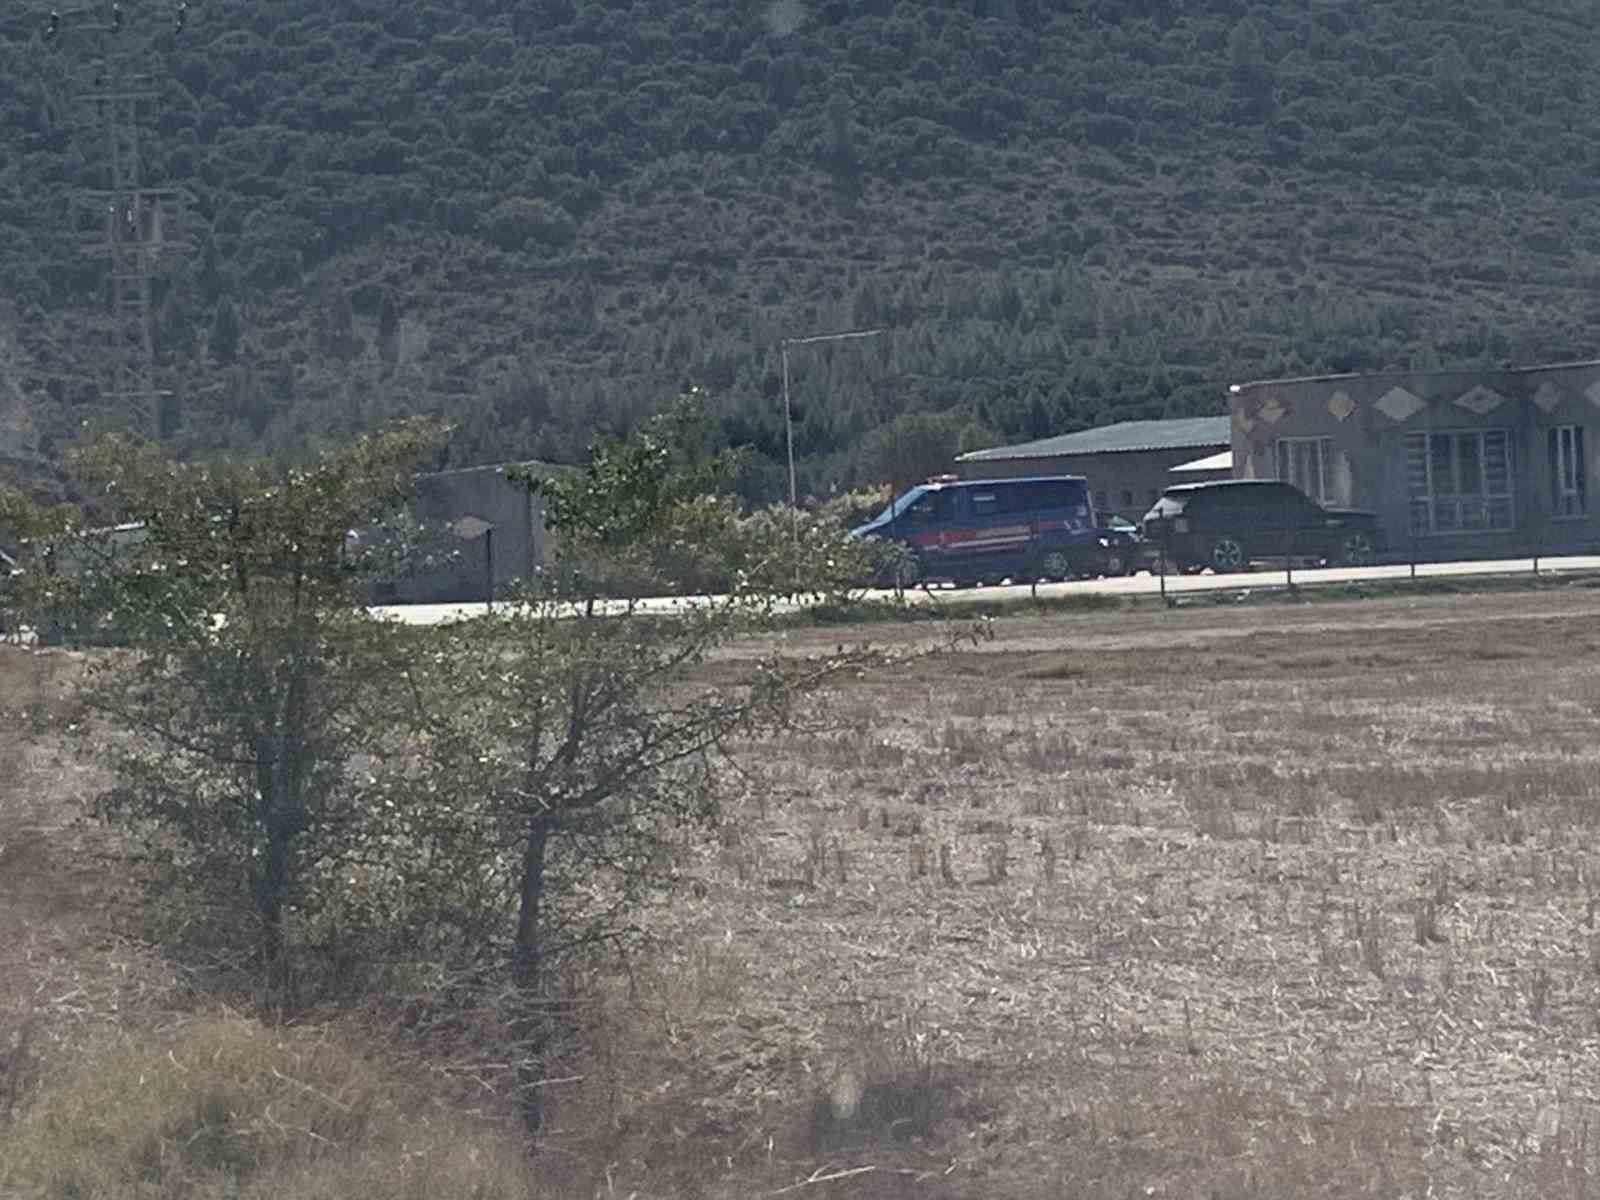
(544,216)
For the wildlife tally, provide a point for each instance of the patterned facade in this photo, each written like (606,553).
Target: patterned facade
(1455,463)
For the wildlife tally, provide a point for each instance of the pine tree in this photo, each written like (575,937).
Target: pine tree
(226,332)
(389,329)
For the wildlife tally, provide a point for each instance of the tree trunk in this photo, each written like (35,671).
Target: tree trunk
(271,889)
(533,1027)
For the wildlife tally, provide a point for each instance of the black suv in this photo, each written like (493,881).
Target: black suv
(1226,525)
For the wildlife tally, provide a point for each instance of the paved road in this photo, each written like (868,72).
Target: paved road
(1132,585)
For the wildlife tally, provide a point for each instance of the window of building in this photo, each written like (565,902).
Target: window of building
(1568,485)
(1100,503)
(1460,482)
(1127,497)
(1308,464)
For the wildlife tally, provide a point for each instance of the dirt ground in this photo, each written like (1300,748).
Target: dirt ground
(1288,900)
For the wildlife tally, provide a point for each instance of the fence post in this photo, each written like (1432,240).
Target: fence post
(488,569)
(1161,567)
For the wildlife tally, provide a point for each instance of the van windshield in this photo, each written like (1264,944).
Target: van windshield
(900,504)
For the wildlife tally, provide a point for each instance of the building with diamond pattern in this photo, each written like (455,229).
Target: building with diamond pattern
(1465,464)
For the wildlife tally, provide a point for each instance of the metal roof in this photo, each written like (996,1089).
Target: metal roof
(1113,439)
(1220,461)
(530,464)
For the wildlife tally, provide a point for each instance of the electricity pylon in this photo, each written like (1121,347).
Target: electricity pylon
(138,222)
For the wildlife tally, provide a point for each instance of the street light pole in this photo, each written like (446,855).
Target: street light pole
(788,421)
(788,412)
(788,426)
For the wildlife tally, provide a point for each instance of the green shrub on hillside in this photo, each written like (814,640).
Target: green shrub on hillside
(642,200)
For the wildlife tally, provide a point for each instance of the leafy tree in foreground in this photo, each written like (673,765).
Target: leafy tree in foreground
(580,737)
(487,797)
(252,677)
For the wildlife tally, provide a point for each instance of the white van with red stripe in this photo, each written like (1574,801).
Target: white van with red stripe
(985,530)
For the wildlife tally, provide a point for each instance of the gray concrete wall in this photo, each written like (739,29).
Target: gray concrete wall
(518,544)
(1125,482)
(1366,419)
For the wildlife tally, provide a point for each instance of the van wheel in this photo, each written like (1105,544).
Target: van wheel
(1356,550)
(1053,564)
(1116,564)
(905,572)
(1227,556)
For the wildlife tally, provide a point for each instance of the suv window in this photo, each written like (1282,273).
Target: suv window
(1276,506)
(1219,502)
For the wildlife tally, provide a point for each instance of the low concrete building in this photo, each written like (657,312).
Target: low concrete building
(1128,464)
(491,528)
(1456,464)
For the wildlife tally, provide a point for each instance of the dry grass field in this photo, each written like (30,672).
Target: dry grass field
(1237,902)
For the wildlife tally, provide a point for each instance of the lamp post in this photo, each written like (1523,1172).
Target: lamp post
(788,420)
(788,424)
(788,412)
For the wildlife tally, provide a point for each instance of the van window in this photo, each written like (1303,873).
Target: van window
(986,504)
(1048,494)
(932,507)
(1019,498)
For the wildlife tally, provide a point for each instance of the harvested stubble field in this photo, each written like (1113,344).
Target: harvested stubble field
(1261,901)
(1265,901)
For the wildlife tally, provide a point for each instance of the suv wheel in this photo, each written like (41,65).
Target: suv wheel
(1117,563)
(1227,556)
(1356,549)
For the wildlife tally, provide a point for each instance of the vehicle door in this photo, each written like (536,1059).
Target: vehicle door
(927,525)
(989,536)
(1300,522)
(1207,515)
(1059,512)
